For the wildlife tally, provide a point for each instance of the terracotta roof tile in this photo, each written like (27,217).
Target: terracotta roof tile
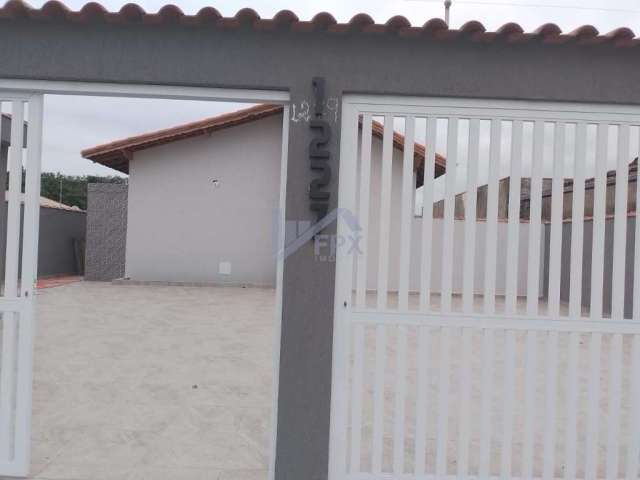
(418,149)
(132,13)
(117,154)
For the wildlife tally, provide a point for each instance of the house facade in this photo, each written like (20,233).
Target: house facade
(215,222)
(227,202)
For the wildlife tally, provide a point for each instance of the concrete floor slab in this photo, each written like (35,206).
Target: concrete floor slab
(152,382)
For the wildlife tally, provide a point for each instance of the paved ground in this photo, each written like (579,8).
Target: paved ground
(150,382)
(456,403)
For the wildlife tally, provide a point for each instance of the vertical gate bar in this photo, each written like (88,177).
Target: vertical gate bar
(486,403)
(443,403)
(356,398)
(15,187)
(571,410)
(535,219)
(427,213)
(464,397)
(509,394)
(363,216)
(24,384)
(636,268)
(633,447)
(493,189)
(599,212)
(577,222)
(470,213)
(620,224)
(378,398)
(513,235)
(406,213)
(551,381)
(400,401)
(343,297)
(10,327)
(4,340)
(449,214)
(422,400)
(557,202)
(613,422)
(529,404)
(32,198)
(591,453)
(385,212)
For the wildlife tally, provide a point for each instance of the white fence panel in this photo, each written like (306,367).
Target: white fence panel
(17,301)
(459,357)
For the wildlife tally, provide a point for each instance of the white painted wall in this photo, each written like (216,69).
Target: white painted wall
(180,227)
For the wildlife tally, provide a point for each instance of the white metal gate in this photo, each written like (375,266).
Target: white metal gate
(474,344)
(17,301)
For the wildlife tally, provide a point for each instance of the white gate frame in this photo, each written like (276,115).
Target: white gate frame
(345,313)
(34,90)
(17,305)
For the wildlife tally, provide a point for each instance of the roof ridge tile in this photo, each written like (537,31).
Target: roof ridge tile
(55,10)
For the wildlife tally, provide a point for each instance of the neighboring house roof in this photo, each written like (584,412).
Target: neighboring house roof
(48,203)
(208,17)
(117,154)
(589,182)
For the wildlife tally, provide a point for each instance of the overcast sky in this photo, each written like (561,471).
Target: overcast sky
(74,123)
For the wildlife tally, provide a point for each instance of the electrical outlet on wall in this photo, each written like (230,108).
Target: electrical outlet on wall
(224,268)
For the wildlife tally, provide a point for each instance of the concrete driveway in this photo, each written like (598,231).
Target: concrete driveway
(141,382)
(152,382)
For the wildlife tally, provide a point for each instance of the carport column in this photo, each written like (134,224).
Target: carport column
(302,451)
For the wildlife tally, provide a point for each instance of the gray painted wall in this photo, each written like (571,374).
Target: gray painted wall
(565,272)
(106,231)
(60,233)
(350,62)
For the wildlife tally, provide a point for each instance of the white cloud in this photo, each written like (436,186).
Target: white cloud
(74,123)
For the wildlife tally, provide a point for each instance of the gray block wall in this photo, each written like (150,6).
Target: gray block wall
(106,231)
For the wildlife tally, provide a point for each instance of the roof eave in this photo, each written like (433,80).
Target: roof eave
(433,30)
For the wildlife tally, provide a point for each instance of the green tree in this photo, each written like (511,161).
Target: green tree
(72,189)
